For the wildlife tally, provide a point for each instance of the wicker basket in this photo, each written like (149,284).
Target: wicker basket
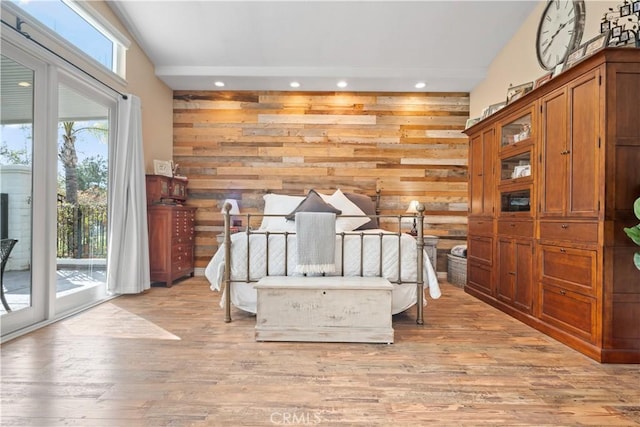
(456,270)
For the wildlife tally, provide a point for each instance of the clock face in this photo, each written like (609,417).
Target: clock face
(559,32)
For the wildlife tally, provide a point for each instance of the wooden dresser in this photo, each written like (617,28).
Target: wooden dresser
(552,180)
(171,229)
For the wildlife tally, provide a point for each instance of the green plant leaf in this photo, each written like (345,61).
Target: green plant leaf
(634,234)
(636,207)
(636,260)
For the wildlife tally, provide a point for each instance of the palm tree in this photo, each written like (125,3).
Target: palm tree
(69,159)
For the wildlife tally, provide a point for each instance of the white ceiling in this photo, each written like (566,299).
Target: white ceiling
(373,45)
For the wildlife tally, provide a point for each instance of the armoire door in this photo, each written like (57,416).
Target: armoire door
(554,154)
(481,173)
(583,146)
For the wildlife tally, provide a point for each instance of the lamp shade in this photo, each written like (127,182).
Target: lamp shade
(235,210)
(413,207)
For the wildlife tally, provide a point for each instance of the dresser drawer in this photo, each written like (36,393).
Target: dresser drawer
(183,230)
(182,212)
(569,311)
(188,239)
(183,257)
(183,218)
(575,232)
(569,268)
(480,226)
(181,249)
(516,228)
(180,269)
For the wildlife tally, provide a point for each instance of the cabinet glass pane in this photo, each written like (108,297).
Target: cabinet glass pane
(516,201)
(516,166)
(516,131)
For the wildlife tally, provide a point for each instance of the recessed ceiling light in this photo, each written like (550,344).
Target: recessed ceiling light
(342,83)
(219,84)
(24,84)
(420,85)
(294,84)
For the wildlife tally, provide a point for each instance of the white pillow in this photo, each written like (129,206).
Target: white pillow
(279,204)
(339,201)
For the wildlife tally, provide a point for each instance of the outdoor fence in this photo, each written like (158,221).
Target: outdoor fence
(82,230)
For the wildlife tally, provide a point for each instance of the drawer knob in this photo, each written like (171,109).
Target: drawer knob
(563,251)
(563,292)
(565,226)
(512,224)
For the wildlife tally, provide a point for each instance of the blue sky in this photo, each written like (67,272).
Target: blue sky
(68,24)
(87,145)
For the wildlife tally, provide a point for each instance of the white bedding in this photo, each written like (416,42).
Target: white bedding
(244,295)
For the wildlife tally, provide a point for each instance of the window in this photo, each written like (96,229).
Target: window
(81,27)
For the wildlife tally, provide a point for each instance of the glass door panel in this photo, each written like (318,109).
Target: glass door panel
(83,135)
(16,164)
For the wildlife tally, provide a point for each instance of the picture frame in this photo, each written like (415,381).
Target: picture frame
(576,56)
(542,80)
(471,122)
(636,6)
(558,69)
(597,43)
(625,37)
(625,10)
(522,171)
(162,167)
(493,108)
(616,31)
(605,26)
(516,92)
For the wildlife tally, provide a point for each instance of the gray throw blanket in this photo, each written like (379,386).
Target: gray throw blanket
(316,240)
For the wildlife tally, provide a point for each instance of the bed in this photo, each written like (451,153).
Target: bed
(362,249)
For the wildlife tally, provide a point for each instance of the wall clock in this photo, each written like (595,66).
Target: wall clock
(560,31)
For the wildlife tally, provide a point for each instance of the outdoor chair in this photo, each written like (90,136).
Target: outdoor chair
(6,246)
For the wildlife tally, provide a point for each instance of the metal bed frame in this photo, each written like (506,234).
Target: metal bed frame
(419,216)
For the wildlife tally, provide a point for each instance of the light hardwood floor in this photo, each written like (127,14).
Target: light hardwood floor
(166,358)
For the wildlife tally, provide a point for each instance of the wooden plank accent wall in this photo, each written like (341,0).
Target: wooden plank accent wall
(242,145)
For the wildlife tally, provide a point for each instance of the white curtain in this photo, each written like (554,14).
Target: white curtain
(128,258)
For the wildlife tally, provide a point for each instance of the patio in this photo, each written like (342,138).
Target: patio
(72,275)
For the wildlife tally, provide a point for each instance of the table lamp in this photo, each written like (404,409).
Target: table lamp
(413,209)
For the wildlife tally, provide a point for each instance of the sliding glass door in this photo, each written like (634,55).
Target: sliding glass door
(23,129)
(81,194)
(54,167)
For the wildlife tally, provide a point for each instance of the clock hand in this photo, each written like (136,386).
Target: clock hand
(553,37)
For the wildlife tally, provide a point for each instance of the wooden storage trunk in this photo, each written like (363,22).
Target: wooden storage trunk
(324,309)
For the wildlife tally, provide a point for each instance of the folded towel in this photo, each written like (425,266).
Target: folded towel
(459,250)
(316,240)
